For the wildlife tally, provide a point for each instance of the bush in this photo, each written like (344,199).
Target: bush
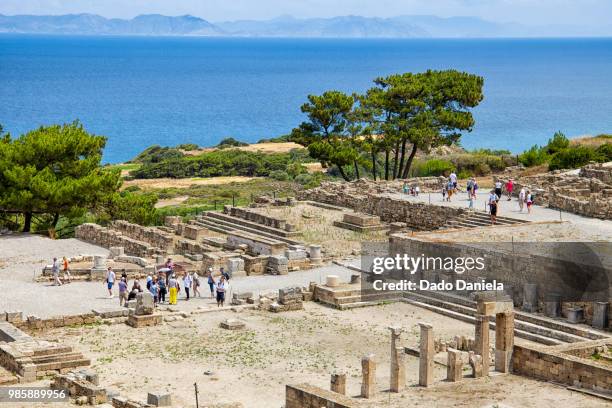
(535,156)
(604,152)
(557,143)
(230,142)
(303,178)
(157,154)
(572,158)
(433,167)
(188,146)
(225,162)
(295,169)
(279,175)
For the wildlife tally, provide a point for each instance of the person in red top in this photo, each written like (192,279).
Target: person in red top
(509,188)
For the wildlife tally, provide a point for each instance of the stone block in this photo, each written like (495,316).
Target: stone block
(338,383)
(159,399)
(332,281)
(368,372)
(454,366)
(116,251)
(144,304)
(232,324)
(427,351)
(137,321)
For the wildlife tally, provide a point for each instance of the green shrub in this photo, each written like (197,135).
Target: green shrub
(557,143)
(295,169)
(225,162)
(604,152)
(230,142)
(303,178)
(572,158)
(188,146)
(464,174)
(279,175)
(157,154)
(535,156)
(433,167)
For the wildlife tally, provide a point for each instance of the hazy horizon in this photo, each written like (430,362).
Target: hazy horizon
(543,12)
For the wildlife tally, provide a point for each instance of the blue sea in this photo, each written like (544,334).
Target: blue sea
(140,91)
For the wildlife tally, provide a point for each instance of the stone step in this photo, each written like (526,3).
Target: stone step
(469,319)
(58,365)
(366,297)
(227,228)
(249,226)
(354,305)
(518,324)
(57,358)
(253,224)
(43,352)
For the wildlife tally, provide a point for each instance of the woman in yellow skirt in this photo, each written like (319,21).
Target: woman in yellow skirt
(173,286)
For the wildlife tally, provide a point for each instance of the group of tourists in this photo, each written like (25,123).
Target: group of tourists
(58,266)
(412,190)
(166,281)
(525,198)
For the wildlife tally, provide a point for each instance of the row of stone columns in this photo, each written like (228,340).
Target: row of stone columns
(478,359)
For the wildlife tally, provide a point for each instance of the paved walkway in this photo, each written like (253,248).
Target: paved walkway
(45,300)
(511,209)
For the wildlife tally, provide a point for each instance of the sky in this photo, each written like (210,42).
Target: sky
(531,12)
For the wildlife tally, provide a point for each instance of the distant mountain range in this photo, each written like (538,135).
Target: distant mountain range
(287,26)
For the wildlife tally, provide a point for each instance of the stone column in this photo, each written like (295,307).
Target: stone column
(530,297)
(368,371)
(314,251)
(504,341)
(398,370)
(99,262)
(338,383)
(552,305)
(482,341)
(600,315)
(454,367)
(426,364)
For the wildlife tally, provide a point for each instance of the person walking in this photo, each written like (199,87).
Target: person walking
(55,270)
(493,199)
(529,201)
(509,188)
(522,197)
(221,287)
(66,268)
(475,189)
(187,283)
(450,189)
(154,289)
(173,288)
(470,187)
(405,188)
(135,290)
(161,284)
(453,179)
(196,285)
(123,292)
(417,190)
(498,189)
(110,281)
(211,283)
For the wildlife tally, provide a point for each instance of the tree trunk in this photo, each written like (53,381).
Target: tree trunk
(386,164)
(27,226)
(343,174)
(55,219)
(374,171)
(356,169)
(409,162)
(395,162)
(401,162)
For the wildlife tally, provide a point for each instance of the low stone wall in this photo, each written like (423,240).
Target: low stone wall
(600,171)
(551,274)
(310,396)
(557,364)
(151,235)
(253,216)
(370,198)
(104,237)
(256,244)
(36,323)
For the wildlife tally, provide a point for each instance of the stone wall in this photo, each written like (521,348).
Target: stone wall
(310,396)
(550,273)
(253,216)
(373,198)
(556,364)
(587,193)
(151,235)
(104,237)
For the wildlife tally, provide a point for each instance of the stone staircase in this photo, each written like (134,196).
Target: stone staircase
(225,223)
(475,219)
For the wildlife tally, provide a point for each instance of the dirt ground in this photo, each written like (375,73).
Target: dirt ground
(253,365)
(284,147)
(317,227)
(150,184)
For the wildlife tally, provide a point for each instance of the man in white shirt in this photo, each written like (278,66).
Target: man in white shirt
(110,281)
(521,199)
(453,179)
